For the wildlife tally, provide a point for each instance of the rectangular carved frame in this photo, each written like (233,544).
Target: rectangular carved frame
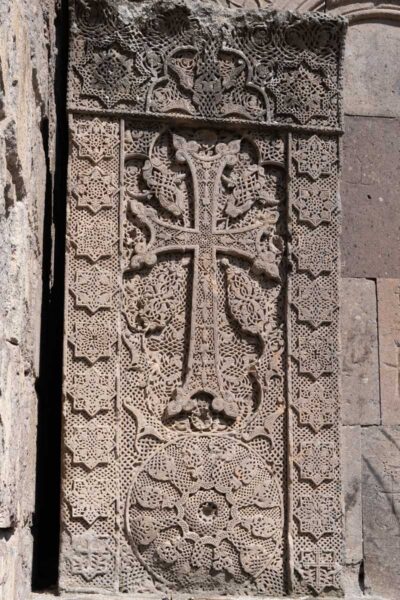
(286,82)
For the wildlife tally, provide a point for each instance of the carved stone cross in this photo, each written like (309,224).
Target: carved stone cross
(205,241)
(319,568)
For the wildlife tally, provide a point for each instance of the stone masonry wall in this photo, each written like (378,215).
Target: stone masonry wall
(371,305)
(25,104)
(370,290)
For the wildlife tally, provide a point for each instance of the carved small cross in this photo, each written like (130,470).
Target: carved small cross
(321,567)
(205,241)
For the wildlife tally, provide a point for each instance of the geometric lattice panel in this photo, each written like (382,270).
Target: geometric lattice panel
(201,448)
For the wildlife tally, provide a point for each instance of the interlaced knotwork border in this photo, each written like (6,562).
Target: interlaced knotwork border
(202,62)
(90,502)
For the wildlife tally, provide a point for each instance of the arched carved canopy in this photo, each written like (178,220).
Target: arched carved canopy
(201,411)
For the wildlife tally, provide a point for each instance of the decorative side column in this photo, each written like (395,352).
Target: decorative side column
(315,511)
(91,491)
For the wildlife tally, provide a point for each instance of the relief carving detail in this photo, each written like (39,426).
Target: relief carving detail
(201,408)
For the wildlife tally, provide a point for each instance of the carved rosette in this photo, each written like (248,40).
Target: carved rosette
(313,347)
(206,507)
(201,333)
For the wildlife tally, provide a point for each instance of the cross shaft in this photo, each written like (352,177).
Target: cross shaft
(204,241)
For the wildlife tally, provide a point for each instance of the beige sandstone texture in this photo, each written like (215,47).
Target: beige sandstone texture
(389,348)
(25,93)
(360,374)
(381,508)
(370,303)
(372,76)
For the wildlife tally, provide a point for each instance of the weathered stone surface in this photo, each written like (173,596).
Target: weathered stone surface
(52,596)
(370,180)
(389,349)
(370,249)
(25,100)
(15,564)
(351,580)
(381,509)
(371,74)
(351,452)
(356,11)
(176,320)
(360,363)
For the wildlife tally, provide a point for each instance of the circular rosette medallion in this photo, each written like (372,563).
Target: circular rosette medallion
(206,513)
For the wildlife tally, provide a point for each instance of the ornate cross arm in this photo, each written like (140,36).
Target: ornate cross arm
(257,243)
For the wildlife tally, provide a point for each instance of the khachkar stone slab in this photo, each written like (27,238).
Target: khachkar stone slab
(201,410)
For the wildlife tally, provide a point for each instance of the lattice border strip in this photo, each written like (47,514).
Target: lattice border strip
(315,510)
(90,502)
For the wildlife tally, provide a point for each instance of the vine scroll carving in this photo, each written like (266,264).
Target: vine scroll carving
(201,409)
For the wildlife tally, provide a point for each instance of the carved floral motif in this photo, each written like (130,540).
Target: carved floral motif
(315,301)
(92,288)
(181,61)
(304,94)
(90,497)
(313,407)
(315,355)
(319,569)
(94,238)
(198,511)
(95,191)
(317,461)
(314,252)
(92,392)
(317,514)
(315,156)
(109,75)
(315,205)
(91,444)
(93,338)
(95,139)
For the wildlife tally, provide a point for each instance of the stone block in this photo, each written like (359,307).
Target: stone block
(389,349)
(369,193)
(26,46)
(381,509)
(15,558)
(371,72)
(351,583)
(351,468)
(360,365)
